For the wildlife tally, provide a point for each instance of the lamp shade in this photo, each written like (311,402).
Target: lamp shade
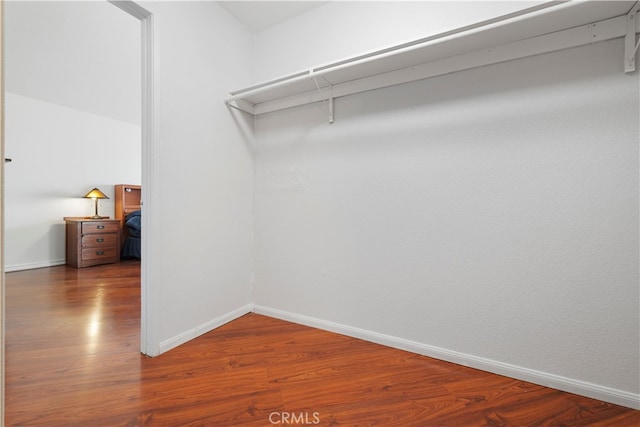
(95,194)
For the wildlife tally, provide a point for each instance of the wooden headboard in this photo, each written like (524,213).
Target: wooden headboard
(127,200)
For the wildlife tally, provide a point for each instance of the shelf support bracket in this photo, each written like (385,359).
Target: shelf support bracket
(241,105)
(329,99)
(630,44)
(331,107)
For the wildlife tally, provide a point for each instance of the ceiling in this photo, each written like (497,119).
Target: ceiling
(260,15)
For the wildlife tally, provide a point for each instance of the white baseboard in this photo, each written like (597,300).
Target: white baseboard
(203,329)
(33,265)
(582,388)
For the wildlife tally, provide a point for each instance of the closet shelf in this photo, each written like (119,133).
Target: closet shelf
(548,27)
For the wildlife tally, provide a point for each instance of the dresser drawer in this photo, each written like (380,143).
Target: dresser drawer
(99,240)
(108,254)
(99,227)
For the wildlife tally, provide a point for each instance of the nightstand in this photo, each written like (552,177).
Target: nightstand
(92,241)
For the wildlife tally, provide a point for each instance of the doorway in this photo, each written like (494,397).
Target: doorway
(146,129)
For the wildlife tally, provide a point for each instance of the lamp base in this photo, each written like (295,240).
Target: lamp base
(96,217)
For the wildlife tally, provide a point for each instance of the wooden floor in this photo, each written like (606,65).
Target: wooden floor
(72,350)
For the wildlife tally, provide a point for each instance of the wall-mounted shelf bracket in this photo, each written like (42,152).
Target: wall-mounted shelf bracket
(630,44)
(242,105)
(328,99)
(331,109)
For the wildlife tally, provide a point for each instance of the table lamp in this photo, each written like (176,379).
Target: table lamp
(95,194)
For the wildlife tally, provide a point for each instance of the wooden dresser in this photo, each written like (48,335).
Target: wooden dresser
(92,241)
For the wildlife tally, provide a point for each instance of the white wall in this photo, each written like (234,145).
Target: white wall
(200,225)
(488,217)
(72,112)
(81,54)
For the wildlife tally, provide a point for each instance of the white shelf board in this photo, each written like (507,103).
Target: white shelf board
(548,27)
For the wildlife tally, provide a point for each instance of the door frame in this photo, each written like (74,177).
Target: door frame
(2,299)
(148,345)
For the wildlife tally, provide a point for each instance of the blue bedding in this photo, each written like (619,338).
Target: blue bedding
(133,223)
(132,247)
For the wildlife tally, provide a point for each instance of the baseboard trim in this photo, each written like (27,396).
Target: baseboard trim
(33,265)
(618,397)
(203,329)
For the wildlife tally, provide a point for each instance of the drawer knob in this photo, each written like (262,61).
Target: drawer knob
(100,240)
(100,227)
(99,252)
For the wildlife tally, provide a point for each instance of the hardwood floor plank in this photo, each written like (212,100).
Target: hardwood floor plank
(72,347)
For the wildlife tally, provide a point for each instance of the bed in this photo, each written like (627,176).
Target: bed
(128,212)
